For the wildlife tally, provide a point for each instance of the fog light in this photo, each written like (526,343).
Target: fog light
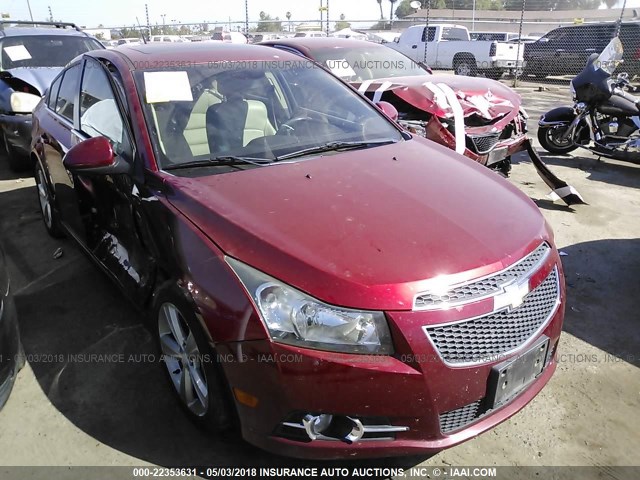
(316,424)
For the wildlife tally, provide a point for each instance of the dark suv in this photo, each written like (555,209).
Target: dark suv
(31,55)
(564,51)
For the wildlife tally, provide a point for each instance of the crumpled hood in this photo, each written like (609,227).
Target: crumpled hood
(367,228)
(39,78)
(486,98)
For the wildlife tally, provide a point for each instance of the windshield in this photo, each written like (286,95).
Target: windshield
(32,51)
(257,110)
(610,57)
(357,64)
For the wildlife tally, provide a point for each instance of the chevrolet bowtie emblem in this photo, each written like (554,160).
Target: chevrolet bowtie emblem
(512,296)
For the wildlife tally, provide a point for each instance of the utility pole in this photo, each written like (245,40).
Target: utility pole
(321,15)
(164,31)
(50,14)
(30,14)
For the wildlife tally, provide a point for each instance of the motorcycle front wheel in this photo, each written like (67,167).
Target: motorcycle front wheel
(550,139)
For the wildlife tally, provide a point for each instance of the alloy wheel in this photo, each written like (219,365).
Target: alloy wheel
(463,69)
(44,198)
(554,135)
(183,359)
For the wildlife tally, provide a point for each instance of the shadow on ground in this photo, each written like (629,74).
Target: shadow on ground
(602,295)
(97,363)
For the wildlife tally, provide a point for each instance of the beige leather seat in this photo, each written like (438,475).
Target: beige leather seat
(195,133)
(233,123)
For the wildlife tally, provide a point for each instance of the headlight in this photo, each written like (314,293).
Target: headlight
(524,113)
(295,318)
(22,102)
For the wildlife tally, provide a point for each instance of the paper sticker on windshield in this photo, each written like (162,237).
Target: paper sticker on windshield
(17,53)
(341,68)
(167,87)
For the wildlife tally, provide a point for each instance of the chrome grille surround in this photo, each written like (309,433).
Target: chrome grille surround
(484,287)
(493,336)
(485,143)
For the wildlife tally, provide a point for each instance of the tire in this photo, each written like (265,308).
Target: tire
(182,343)
(48,207)
(548,138)
(465,65)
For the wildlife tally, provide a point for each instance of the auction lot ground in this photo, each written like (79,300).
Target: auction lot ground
(100,413)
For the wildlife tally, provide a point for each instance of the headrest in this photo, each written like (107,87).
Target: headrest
(238,83)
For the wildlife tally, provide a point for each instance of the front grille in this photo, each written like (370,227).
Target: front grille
(484,287)
(460,417)
(487,337)
(485,143)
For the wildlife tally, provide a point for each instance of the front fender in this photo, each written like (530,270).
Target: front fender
(560,115)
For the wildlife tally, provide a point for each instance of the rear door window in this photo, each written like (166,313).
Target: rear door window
(52,96)
(66,98)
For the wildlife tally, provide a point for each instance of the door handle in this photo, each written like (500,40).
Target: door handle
(559,50)
(414,46)
(589,49)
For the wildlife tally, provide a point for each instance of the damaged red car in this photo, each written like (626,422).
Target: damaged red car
(477,117)
(313,274)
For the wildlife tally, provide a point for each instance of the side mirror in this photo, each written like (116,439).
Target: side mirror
(389,110)
(94,156)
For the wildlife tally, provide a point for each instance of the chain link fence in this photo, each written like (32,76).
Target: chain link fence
(536,39)
(521,40)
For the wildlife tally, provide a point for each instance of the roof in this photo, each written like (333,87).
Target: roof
(24,28)
(322,43)
(169,54)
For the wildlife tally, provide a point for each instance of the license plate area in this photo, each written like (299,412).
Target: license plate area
(511,377)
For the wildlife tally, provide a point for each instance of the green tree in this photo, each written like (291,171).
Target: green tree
(380,5)
(392,2)
(404,9)
(546,5)
(268,24)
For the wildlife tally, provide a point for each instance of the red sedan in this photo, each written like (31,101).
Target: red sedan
(340,287)
(480,118)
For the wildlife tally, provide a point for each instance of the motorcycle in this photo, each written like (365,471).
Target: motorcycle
(605,118)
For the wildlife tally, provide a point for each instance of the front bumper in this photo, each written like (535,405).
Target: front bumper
(411,391)
(502,149)
(17,133)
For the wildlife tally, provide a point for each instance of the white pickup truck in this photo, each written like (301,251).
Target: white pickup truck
(449,47)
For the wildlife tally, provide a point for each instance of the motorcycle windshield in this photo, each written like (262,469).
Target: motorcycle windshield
(610,57)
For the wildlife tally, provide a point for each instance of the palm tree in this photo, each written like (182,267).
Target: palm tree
(391,14)
(380,5)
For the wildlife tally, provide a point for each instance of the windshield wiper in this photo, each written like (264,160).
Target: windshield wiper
(226,160)
(333,146)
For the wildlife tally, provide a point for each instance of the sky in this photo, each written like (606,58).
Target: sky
(111,13)
(91,13)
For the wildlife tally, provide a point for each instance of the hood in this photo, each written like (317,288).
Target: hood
(488,99)
(368,228)
(39,78)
